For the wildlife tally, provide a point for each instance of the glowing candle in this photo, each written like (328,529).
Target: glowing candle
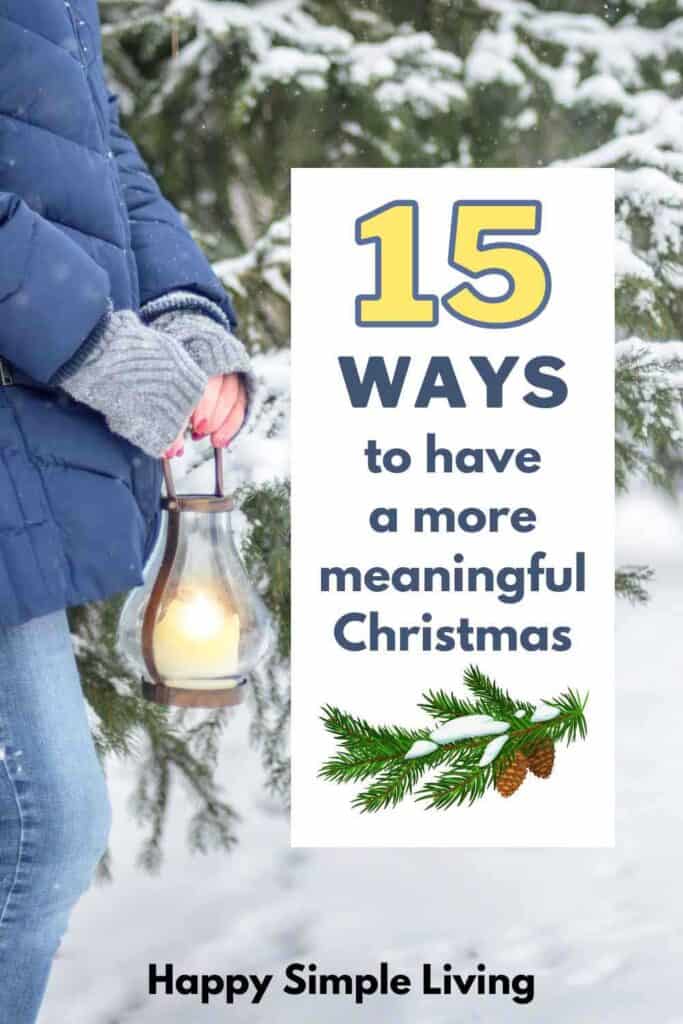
(196,640)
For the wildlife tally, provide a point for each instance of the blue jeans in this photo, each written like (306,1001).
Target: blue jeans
(54,810)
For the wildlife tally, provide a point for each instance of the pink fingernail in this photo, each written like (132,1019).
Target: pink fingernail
(201,427)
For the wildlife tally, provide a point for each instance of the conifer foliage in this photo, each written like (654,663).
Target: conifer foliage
(225,96)
(262,86)
(488,740)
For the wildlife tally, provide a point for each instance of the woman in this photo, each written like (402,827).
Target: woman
(114,332)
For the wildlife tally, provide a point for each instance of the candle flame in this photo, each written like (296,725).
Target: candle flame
(197,637)
(200,615)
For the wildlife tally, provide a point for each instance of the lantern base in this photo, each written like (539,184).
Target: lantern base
(174,696)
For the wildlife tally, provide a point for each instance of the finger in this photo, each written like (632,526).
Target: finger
(225,433)
(205,407)
(178,446)
(229,393)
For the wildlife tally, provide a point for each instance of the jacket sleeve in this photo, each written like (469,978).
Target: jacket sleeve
(167,257)
(52,293)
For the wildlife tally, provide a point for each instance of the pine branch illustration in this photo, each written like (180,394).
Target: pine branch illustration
(571,721)
(467,780)
(396,759)
(443,706)
(491,699)
(365,750)
(464,782)
(396,781)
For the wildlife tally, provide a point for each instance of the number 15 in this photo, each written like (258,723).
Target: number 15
(397,302)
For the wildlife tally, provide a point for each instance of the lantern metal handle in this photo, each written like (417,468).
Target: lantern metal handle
(219,474)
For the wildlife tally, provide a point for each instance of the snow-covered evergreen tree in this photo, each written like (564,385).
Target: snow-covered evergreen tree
(224,97)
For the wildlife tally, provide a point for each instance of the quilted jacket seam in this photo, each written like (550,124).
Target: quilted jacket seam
(54,134)
(52,462)
(28,533)
(29,253)
(14,531)
(33,32)
(86,234)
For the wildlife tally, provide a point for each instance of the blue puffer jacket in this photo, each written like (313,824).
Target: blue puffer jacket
(81,223)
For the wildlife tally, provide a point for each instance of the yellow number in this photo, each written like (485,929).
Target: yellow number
(393,229)
(527,275)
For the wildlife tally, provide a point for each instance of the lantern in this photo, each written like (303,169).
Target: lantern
(196,627)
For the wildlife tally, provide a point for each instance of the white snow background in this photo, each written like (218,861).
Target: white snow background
(601,929)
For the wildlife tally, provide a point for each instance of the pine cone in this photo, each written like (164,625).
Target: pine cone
(541,758)
(512,777)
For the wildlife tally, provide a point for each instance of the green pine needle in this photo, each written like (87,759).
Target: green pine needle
(395,782)
(492,700)
(365,750)
(631,582)
(444,706)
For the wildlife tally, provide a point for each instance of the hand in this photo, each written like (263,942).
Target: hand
(220,413)
(221,409)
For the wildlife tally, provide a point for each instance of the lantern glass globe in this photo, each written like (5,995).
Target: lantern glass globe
(197,622)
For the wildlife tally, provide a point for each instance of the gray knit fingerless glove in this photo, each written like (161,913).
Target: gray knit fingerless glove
(203,329)
(140,379)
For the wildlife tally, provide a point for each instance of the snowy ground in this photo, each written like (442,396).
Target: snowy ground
(602,930)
